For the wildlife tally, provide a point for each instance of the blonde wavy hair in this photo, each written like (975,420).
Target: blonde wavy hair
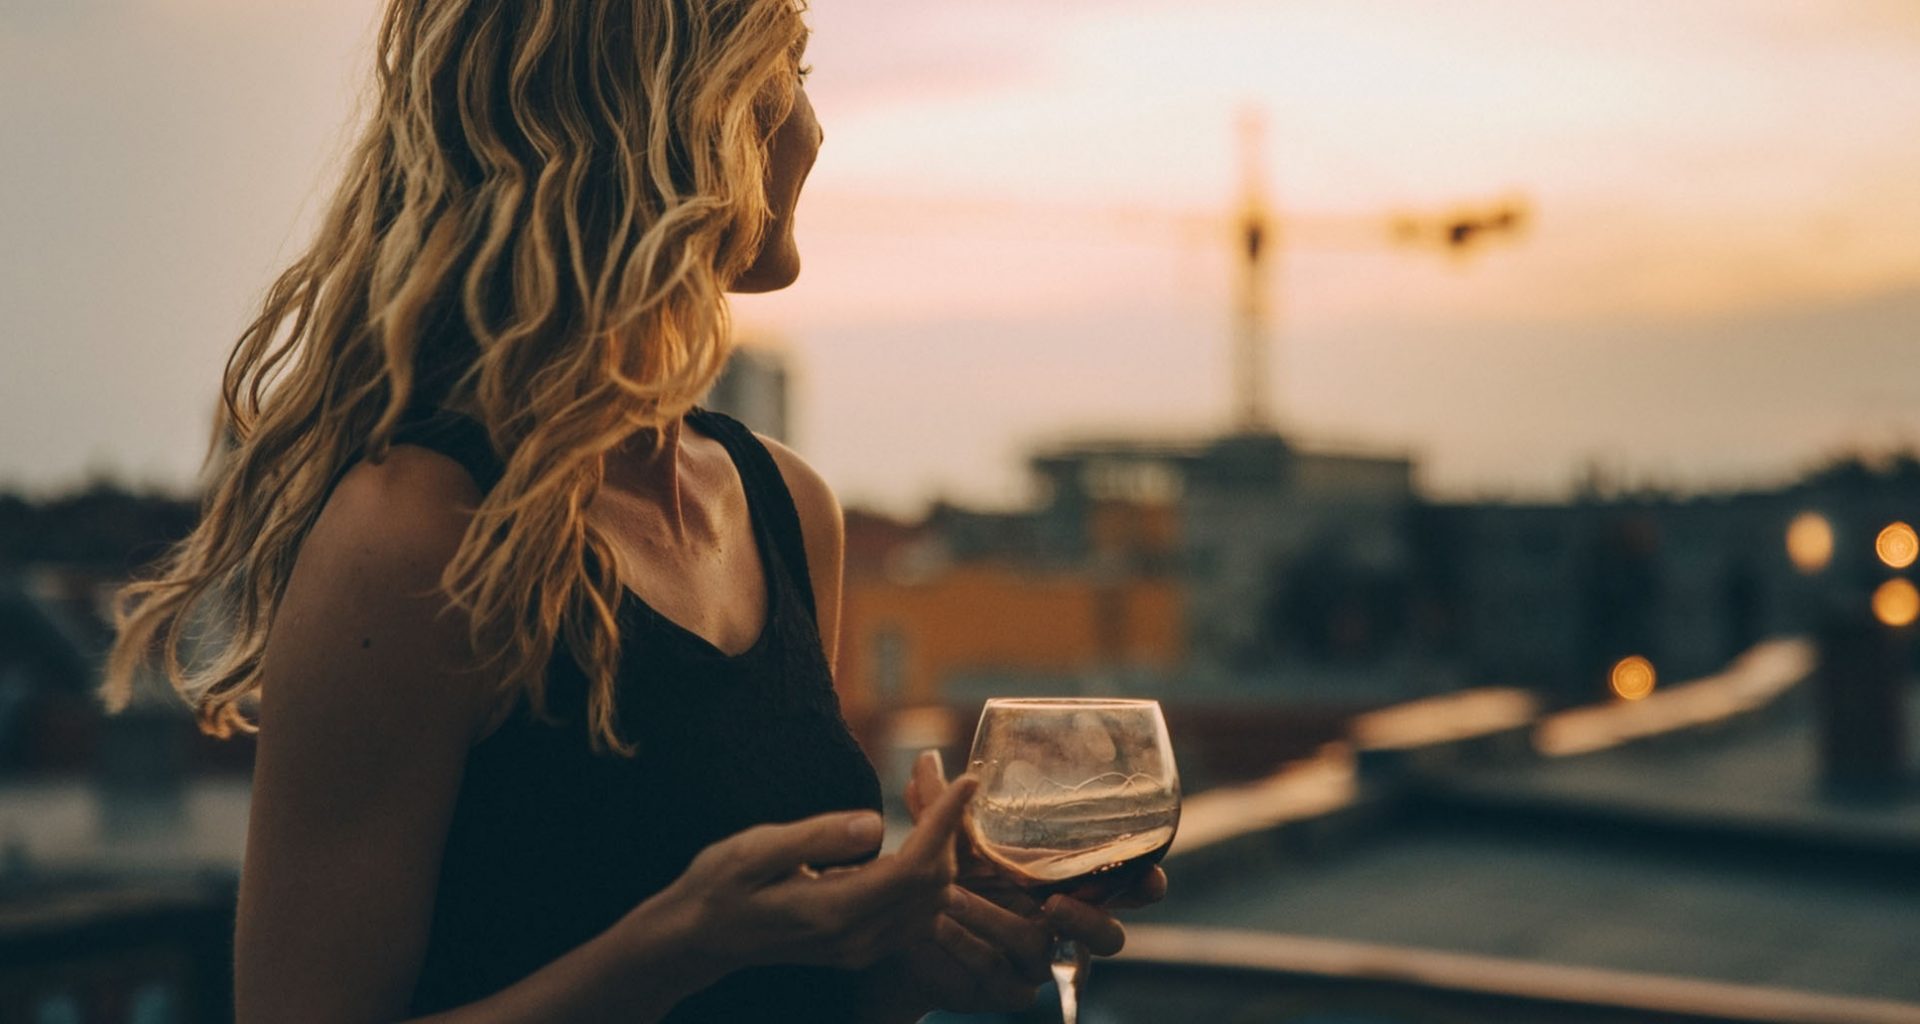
(536,228)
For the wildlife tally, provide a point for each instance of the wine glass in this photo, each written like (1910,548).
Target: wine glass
(1077,796)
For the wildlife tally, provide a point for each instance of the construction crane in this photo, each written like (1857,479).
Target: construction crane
(1258,238)
(1258,232)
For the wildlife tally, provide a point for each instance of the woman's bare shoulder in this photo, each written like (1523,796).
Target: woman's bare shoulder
(811,493)
(414,500)
(823,528)
(366,591)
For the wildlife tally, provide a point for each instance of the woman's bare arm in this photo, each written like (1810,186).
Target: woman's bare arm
(367,714)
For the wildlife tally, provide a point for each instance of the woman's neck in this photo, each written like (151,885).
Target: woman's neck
(649,468)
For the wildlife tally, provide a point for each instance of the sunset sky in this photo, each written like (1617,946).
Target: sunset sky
(1721,282)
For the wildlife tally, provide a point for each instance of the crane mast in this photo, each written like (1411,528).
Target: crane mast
(1257,242)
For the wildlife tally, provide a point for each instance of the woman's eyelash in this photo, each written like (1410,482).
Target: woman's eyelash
(805,70)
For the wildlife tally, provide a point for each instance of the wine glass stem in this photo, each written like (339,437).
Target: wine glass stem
(1069,970)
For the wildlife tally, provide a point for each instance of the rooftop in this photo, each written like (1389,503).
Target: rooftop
(1707,850)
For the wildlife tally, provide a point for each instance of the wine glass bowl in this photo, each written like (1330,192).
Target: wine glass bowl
(1077,796)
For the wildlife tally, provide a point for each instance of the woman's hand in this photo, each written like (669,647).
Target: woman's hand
(755,897)
(981,958)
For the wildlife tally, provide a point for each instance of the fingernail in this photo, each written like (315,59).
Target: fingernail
(956,897)
(939,765)
(865,828)
(1048,908)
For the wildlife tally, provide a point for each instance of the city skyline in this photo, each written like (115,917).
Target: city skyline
(1717,286)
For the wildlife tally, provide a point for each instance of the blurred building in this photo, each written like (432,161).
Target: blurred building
(1308,573)
(918,638)
(44,678)
(1068,596)
(127,950)
(754,390)
(1550,596)
(1294,554)
(1283,552)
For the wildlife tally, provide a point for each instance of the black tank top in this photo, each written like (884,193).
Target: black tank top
(551,842)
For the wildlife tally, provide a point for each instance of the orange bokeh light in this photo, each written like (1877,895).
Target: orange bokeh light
(1896,603)
(1810,542)
(1632,678)
(1897,545)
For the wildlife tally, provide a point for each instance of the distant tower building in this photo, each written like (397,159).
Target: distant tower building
(753,390)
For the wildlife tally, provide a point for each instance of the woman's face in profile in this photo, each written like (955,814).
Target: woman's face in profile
(790,155)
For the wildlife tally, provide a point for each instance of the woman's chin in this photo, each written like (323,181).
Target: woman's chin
(768,275)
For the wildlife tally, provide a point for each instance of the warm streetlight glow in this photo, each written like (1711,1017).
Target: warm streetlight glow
(1632,678)
(1897,545)
(1810,542)
(1896,603)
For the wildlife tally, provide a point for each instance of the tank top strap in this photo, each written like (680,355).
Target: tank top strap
(767,489)
(458,437)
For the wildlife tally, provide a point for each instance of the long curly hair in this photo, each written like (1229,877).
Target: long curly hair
(536,228)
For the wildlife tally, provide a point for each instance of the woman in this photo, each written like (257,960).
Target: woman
(538,651)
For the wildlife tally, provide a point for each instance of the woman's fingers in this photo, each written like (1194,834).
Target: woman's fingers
(932,837)
(926,782)
(1023,942)
(990,886)
(993,976)
(1095,928)
(767,852)
(1150,889)
(968,950)
(913,880)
